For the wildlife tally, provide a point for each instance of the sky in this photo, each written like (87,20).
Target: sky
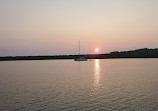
(54,27)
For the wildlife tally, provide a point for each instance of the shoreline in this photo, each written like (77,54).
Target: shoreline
(140,53)
(72,59)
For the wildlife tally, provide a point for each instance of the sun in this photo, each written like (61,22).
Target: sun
(96,49)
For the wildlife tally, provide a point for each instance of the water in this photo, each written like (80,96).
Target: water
(66,85)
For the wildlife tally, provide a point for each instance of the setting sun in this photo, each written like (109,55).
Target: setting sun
(96,49)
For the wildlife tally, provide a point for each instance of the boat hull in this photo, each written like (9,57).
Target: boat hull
(80,59)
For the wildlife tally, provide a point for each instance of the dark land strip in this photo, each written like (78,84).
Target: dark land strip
(139,53)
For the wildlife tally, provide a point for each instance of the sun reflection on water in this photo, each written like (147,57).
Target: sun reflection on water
(97,73)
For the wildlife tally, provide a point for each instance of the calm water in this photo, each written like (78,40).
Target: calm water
(104,85)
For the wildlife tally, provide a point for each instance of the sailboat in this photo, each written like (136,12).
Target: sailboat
(79,58)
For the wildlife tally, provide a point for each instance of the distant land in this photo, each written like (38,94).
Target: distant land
(139,53)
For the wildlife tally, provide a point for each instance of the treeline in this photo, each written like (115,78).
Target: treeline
(140,53)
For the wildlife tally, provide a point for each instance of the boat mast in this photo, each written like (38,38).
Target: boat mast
(79,47)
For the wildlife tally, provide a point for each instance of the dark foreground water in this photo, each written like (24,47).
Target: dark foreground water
(66,85)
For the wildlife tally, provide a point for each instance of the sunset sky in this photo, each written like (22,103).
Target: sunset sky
(52,27)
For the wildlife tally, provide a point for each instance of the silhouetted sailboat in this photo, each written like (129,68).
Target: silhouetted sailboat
(79,58)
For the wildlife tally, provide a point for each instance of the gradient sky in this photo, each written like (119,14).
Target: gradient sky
(52,27)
